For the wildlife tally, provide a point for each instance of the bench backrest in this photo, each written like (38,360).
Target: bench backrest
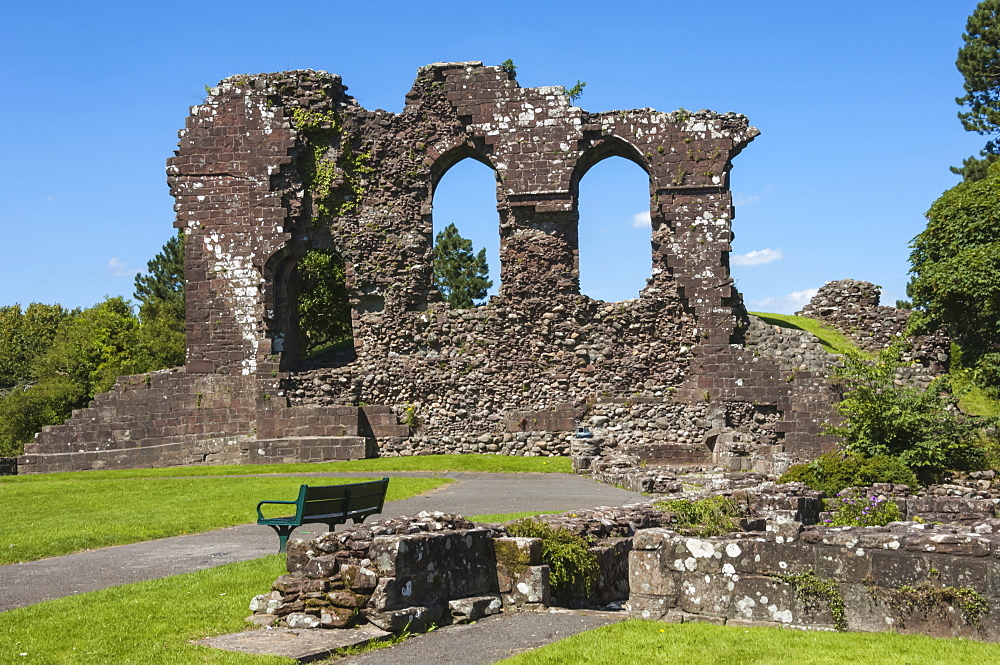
(354,500)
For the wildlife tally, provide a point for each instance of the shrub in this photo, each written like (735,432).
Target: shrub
(836,471)
(711,516)
(922,428)
(572,566)
(852,510)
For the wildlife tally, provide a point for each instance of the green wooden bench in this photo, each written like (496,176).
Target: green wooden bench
(328,504)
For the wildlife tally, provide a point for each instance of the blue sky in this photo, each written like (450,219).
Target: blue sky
(854,100)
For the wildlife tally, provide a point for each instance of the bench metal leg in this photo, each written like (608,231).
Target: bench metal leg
(284,531)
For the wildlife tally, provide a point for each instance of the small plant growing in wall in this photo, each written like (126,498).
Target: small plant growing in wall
(573,567)
(509,67)
(410,417)
(814,590)
(852,510)
(574,93)
(711,516)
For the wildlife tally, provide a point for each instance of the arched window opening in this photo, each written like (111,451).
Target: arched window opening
(615,254)
(466,234)
(325,331)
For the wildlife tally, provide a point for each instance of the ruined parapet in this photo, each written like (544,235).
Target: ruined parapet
(852,308)
(908,578)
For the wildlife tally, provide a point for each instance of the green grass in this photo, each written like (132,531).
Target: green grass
(705,644)
(147,623)
(507,517)
(50,518)
(832,340)
(442,463)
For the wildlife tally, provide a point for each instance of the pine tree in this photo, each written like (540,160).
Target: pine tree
(461,276)
(979,62)
(161,292)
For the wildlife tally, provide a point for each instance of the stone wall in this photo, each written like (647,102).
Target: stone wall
(171,418)
(908,578)
(271,166)
(852,308)
(8,466)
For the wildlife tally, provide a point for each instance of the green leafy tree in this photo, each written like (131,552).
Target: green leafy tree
(922,428)
(956,272)
(324,308)
(460,275)
(979,62)
(24,336)
(88,352)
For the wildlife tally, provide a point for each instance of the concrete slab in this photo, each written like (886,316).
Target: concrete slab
(302,645)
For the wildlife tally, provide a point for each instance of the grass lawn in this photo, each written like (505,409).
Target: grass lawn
(149,622)
(49,517)
(484,463)
(832,340)
(705,644)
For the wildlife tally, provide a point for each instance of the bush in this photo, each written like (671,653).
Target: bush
(711,516)
(852,510)
(572,566)
(836,471)
(923,428)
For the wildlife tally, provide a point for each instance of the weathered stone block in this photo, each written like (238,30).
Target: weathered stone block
(413,618)
(531,587)
(300,620)
(465,610)
(358,578)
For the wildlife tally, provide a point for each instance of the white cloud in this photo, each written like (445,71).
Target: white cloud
(119,268)
(743,200)
(757,257)
(786,304)
(641,220)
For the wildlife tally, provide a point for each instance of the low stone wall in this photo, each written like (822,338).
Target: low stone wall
(910,578)
(8,466)
(404,573)
(171,418)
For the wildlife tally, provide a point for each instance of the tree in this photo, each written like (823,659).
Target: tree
(458,273)
(956,272)
(324,309)
(160,292)
(24,336)
(88,352)
(979,62)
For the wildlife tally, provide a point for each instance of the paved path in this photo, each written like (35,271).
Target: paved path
(489,640)
(471,494)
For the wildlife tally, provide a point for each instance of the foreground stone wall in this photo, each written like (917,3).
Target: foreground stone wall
(271,166)
(909,578)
